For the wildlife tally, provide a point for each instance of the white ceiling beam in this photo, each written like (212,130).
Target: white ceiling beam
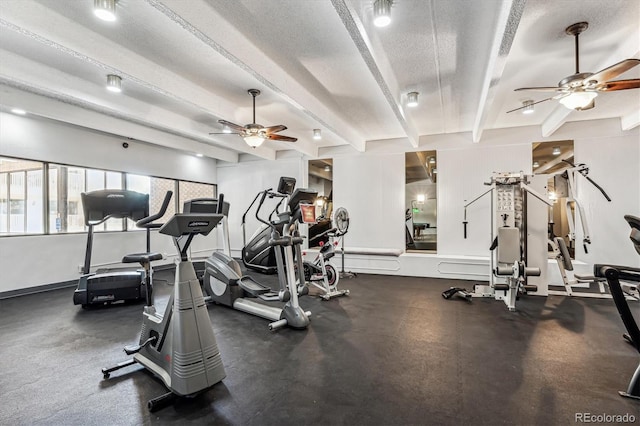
(68,38)
(555,120)
(630,121)
(373,55)
(64,108)
(229,42)
(505,32)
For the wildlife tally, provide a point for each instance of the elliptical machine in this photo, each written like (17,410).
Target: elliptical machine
(223,280)
(257,254)
(178,347)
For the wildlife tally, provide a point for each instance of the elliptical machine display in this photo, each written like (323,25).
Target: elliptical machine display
(179,346)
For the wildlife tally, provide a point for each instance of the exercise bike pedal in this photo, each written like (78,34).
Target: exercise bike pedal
(134,349)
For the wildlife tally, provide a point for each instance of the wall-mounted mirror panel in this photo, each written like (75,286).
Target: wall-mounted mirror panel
(554,159)
(321,179)
(421,182)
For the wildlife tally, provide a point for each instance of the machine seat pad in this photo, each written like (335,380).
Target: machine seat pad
(141,257)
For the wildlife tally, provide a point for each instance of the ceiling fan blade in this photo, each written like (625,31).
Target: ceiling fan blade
(608,73)
(523,107)
(274,129)
(281,138)
(233,126)
(225,133)
(620,85)
(538,89)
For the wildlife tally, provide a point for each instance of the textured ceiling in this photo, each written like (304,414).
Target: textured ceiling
(320,64)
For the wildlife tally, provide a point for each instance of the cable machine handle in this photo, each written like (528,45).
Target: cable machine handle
(599,188)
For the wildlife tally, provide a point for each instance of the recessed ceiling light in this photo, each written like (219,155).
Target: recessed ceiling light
(528,107)
(432,160)
(199,155)
(317,134)
(327,168)
(556,150)
(18,111)
(105,9)
(412,99)
(382,13)
(536,164)
(114,83)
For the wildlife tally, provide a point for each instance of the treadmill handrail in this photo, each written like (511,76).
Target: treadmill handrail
(145,222)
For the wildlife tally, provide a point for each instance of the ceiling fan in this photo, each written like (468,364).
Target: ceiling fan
(578,91)
(254,134)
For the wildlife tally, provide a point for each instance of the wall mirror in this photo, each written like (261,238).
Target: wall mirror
(421,181)
(554,159)
(321,179)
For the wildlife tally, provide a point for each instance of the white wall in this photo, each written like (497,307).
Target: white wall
(614,165)
(371,188)
(28,261)
(370,185)
(463,167)
(241,182)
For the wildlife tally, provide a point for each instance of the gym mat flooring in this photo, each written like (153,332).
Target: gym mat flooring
(394,352)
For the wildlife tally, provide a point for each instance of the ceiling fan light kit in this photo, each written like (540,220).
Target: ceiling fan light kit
(579,90)
(254,134)
(578,100)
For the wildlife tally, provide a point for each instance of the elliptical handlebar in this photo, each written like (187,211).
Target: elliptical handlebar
(268,192)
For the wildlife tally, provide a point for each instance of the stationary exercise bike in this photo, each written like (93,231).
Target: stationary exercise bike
(179,346)
(319,272)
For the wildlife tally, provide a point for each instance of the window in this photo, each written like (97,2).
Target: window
(421,177)
(21,196)
(191,190)
(66,184)
(25,206)
(157,189)
(321,179)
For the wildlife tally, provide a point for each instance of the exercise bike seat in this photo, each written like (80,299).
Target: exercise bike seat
(141,258)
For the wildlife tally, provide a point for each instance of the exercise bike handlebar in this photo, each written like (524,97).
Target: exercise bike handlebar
(147,221)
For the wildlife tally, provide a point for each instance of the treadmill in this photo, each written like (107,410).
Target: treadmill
(95,289)
(613,274)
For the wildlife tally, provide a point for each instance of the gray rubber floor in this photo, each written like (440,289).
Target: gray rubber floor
(392,353)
